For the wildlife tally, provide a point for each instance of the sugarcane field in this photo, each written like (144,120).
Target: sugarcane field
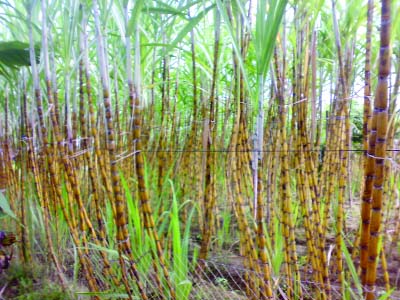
(199,149)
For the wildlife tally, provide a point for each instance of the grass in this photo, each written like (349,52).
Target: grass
(180,247)
(23,282)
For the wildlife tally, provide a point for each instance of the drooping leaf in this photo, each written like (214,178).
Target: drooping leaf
(4,72)
(5,209)
(188,27)
(15,54)
(165,11)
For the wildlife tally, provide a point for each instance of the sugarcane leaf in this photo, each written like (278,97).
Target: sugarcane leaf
(235,42)
(14,54)
(386,295)
(188,27)
(4,72)
(352,268)
(267,26)
(134,20)
(5,209)
(165,8)
(165,11)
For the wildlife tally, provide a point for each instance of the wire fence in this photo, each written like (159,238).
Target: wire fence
(227,277)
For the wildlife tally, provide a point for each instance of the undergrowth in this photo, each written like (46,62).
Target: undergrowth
(22,282)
